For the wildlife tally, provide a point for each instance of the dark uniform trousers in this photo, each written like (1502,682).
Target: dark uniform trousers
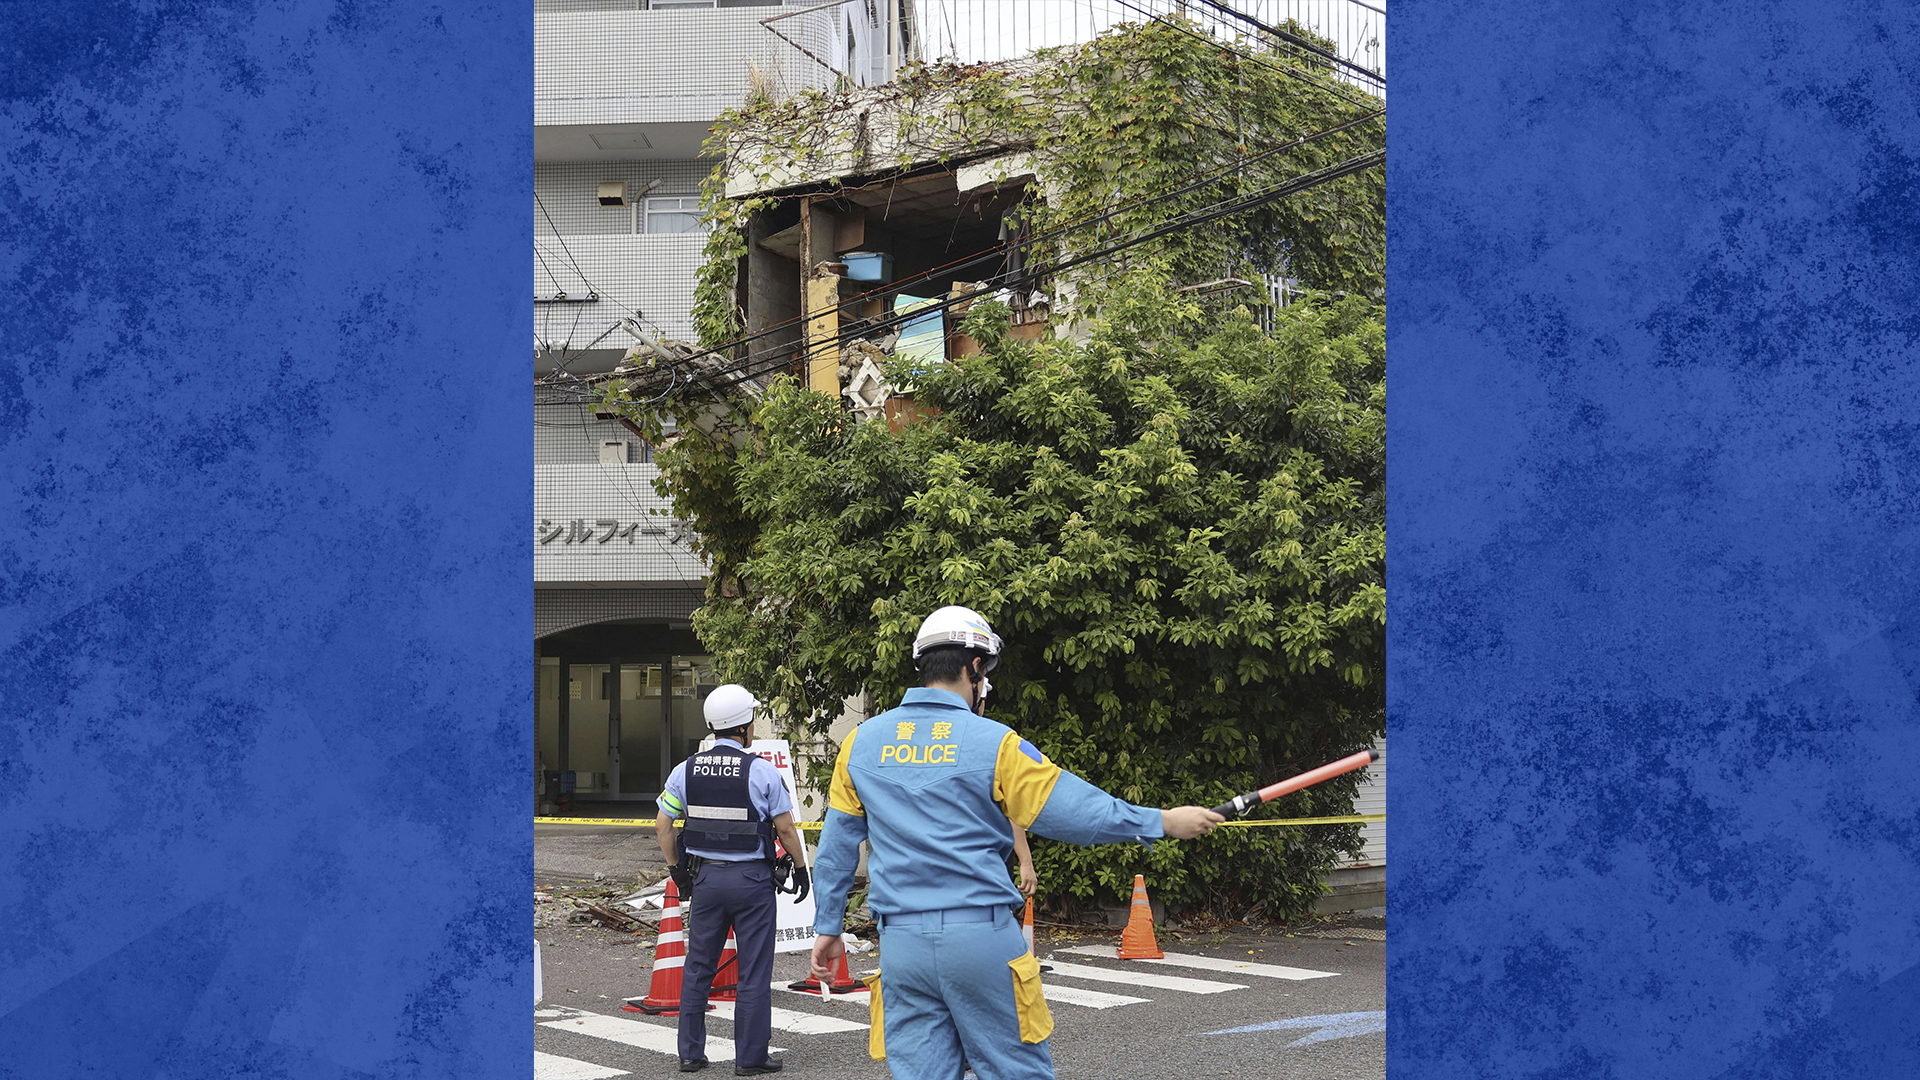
(739,894)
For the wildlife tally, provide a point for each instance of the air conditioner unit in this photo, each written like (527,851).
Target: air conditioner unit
(614,451)
(613,193)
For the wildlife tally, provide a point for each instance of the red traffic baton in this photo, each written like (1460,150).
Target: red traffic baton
(1242,804)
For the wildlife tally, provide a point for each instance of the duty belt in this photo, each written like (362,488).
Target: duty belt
(944,915)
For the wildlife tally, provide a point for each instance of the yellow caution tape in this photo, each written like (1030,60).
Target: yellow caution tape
(1351,819)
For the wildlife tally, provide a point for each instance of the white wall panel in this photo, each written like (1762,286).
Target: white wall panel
(653,274)
(569,435)
(628,67)
(569,193)
(604,524)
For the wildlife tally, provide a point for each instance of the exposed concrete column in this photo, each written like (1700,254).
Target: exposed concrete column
(820,297)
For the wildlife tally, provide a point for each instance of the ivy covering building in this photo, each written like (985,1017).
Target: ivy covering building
(1090,342)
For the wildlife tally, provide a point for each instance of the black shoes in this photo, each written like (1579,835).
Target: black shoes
(773,1065)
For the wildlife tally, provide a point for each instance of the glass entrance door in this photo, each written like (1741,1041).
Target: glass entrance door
(693,680)
(590,737)
(643,715)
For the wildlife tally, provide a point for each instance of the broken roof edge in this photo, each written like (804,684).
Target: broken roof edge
(962,166)
(874,134)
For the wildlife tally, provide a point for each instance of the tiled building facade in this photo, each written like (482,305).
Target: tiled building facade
(625,92)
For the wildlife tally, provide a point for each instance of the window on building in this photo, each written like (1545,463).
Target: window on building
(673,214)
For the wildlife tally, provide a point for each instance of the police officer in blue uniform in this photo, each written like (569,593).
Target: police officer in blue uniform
(732,803)
(936,789)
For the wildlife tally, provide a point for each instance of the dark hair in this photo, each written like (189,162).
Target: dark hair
(945,663)
(740,732)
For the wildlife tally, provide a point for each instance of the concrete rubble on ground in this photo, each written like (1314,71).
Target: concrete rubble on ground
(594,904)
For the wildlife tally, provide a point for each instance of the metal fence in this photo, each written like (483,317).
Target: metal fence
(978,31)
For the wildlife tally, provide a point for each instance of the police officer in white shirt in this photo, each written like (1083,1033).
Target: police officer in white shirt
(732,804)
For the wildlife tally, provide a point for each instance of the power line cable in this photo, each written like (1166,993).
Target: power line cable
(575,263)
(592,290)
(1345,93)
(1297,41)
(560,362)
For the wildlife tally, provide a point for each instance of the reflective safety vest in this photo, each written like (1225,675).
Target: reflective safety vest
(720,812)
(936,791)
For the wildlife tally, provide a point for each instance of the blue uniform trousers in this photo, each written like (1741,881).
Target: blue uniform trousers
(949,992)
(739,894)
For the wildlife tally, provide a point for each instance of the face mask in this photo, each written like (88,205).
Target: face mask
(986,686)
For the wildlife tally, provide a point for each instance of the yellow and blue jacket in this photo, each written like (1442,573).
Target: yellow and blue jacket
(932,787)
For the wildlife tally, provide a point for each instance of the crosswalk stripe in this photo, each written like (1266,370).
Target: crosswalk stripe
(1141,978)
(555,1067)
(800,1023)
(664,1040)
(1211,963)
(1092,999)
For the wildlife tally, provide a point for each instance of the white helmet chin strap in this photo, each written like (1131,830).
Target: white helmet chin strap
(977,685)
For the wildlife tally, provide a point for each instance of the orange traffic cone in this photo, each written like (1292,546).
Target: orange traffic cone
(843,981)
(1136,941)
(726,977)
(669,957)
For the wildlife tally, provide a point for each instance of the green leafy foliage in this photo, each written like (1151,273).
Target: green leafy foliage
(1176,525)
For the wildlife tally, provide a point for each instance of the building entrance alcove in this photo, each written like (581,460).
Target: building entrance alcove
(620,704)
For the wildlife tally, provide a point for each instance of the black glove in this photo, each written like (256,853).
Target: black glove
(682,880)
(786,868)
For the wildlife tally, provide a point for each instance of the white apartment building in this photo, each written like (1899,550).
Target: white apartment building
(625,92)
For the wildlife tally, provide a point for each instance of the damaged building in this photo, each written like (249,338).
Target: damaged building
(861,225)
(848,265)
(840,276)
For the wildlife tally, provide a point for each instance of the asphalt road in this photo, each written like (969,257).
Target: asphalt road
(569,854)
(1322,1027)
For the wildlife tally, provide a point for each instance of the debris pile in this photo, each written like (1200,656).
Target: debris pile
(596,905)
(662,365)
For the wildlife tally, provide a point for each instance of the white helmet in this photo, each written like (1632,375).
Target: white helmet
(729,707)
(956,625)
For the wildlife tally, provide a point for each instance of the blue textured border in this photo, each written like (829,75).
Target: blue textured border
(265,596)
(1654,540)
